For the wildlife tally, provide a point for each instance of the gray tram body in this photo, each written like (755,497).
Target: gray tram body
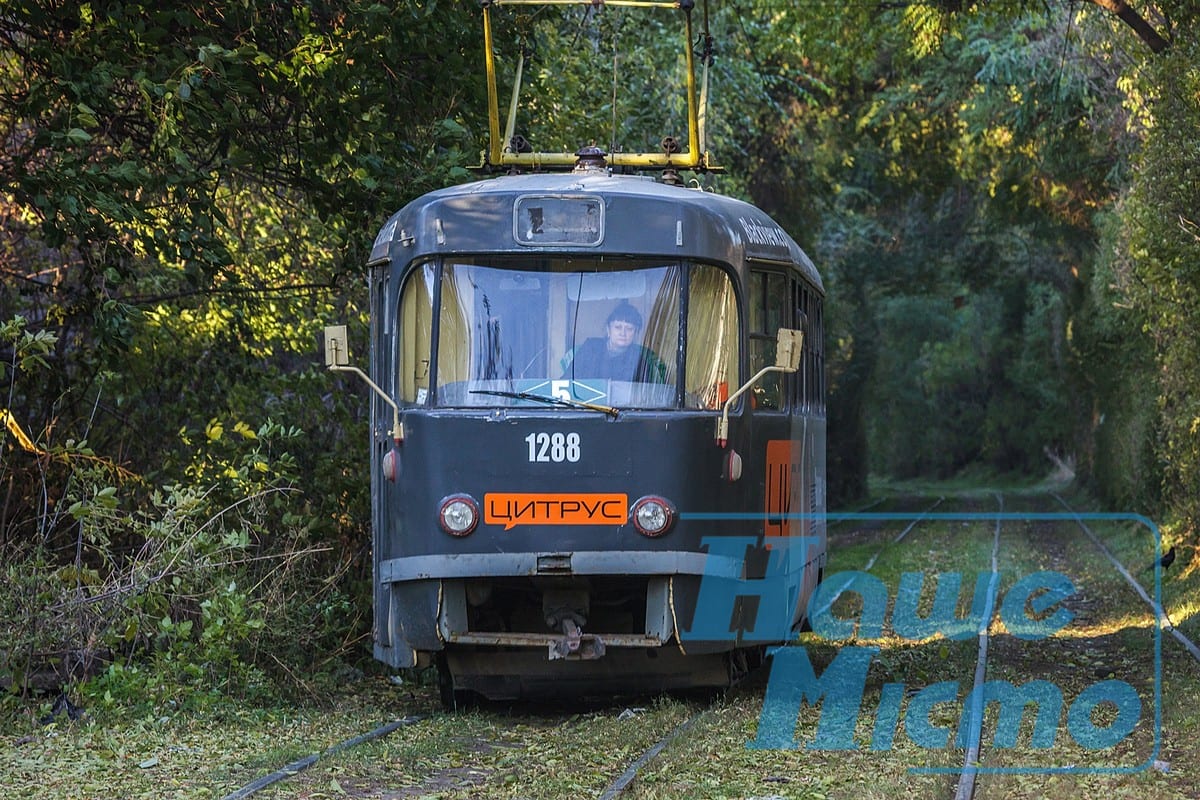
(554,589)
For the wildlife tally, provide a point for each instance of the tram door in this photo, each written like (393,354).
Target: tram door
(785,434)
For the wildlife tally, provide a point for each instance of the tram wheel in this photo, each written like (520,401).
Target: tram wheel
(745,660)
(453,699)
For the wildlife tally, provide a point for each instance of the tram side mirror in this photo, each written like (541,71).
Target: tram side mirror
(337,357)
(788,345)
(337,351)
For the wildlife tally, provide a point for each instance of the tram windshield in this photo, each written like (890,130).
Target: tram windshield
(576,331)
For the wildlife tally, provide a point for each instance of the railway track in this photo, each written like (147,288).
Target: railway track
(301,764)
(1089,658)
(616,787)
(965,787)
(1005,537)
(1064,542)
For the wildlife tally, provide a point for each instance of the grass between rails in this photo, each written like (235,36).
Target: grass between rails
(525,752)
(551,753)
(1110,637)
(529,752)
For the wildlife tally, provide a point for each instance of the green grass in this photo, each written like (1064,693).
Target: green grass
(134,750)
(123,749)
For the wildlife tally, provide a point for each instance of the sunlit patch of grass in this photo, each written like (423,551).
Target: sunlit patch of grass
(169,753)
(1110,626)
(1184,609)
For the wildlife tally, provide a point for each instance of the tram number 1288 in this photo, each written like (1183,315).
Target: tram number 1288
(553,447)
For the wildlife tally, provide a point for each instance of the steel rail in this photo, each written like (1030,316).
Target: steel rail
(302,764)
(899,538)
(871,561)
(1160,613)
(623,781)
(838,518)
(975,700)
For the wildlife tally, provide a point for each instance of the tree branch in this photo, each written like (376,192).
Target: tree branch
(294,288)
(1137,22)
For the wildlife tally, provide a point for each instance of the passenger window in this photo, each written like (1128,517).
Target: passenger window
(811,391)
(769,300)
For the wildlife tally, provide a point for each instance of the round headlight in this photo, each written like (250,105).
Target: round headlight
(458,515)
(652,516)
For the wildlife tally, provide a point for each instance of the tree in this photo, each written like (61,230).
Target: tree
(1145,31)
(189,193)
(209,163)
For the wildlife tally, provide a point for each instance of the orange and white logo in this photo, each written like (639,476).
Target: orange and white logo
(542,508)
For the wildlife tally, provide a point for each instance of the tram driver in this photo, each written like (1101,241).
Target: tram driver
(618,355)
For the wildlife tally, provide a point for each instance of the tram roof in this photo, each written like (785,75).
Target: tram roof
(640,216)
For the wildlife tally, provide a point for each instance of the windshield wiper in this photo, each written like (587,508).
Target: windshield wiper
(554,401)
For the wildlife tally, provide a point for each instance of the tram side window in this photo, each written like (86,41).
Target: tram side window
(805,386)
(415,336)
(712,338)
(814,352)
(769,302)
(811,391)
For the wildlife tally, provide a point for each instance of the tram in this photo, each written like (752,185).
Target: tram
(581,377)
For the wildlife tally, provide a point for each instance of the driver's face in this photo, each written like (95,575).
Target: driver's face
(621,334)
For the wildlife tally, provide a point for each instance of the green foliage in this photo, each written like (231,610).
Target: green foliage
(1120,432)
(1163,274)
(187,195)
(219,163)
(954,230)
(30,349)
(612,76)
(191,582)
